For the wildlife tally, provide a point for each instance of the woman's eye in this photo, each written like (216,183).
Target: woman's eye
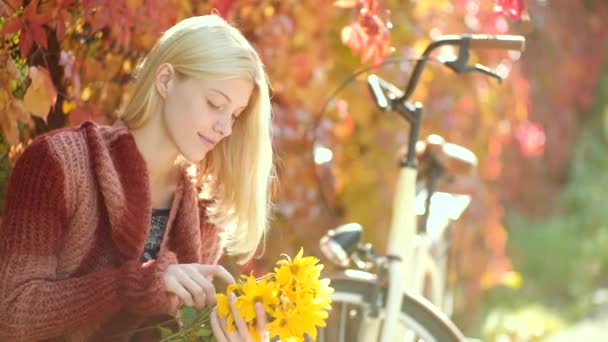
(213,105)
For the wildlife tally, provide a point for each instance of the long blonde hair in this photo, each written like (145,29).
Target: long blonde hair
(237,173)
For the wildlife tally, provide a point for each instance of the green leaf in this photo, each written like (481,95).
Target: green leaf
(165,332)
(203,332)
(188,315)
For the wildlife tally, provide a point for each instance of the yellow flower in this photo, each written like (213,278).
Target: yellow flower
(296,323)
(253,331)
(293,339)
(323,292)
(281,326)
(295,299)
(234,288)
(223,310)
(256,291)
(300,269)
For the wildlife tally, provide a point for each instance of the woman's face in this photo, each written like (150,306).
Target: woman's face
(198,114)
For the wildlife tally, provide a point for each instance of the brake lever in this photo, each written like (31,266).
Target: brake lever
(373,83)
(484,70)
(459,67)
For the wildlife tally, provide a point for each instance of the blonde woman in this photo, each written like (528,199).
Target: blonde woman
(104,231)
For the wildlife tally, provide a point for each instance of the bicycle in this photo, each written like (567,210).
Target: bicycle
(445,173)
(437,160)
(374,297)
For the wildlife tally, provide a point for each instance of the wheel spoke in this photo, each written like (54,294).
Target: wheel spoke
(349,319)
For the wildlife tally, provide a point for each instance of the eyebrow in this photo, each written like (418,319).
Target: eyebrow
(221,93)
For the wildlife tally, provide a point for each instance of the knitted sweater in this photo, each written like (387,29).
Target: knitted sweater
(76,220)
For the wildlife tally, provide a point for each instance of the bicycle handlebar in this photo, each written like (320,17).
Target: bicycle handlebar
(464,42)
(486,41)
(388,97)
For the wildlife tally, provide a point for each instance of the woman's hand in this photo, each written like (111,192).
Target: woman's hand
(192,283)
(241,334)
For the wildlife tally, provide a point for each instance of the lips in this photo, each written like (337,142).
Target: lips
(207,142)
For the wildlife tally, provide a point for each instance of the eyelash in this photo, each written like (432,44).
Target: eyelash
(234,117)
(212,105)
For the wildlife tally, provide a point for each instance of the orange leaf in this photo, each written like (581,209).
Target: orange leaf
(346,3)
(41,94)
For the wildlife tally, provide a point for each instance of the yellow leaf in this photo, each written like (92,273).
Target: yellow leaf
(8,124)
(68,106)
(41,94)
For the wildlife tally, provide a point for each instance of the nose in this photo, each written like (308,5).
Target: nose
(223,125)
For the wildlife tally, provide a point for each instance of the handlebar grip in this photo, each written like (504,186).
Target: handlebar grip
(503,41)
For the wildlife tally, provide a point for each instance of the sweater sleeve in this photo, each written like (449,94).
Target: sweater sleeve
(35,303)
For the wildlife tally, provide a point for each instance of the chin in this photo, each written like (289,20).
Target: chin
(194,156)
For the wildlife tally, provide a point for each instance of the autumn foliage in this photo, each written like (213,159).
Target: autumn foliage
(65,61)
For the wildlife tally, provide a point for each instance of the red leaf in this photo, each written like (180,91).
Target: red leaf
(25,43)
(346,3)
(60,28)
(531,139)
(354,37)
(101,19)
(512,8)
(12,26)
(86,111)
(12,5)
(368,52)
(378,57)
(39,35)
(29,13)
(223,7)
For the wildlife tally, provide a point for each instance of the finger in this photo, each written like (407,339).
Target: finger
(223,323)
(197,292)
(173,285)
(217,271)
(204,283)
(260,319)
(240,323)
(216,327)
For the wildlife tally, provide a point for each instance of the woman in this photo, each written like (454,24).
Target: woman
(105,232)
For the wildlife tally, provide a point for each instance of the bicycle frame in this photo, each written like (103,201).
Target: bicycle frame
(429,260)
(403,219)
(402,228)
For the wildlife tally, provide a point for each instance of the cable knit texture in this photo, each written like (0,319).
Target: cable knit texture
(76,220)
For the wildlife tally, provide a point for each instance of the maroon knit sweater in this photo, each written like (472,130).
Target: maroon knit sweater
(76,220)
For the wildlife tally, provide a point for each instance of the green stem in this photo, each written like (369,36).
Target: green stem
(203,318)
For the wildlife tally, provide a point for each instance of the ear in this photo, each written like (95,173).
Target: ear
(164,78)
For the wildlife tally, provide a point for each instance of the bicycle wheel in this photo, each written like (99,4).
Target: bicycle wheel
(349,318)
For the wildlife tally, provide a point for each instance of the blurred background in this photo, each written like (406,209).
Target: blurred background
(529,257)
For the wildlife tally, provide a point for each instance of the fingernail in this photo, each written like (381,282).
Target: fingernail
(259,307)
(232,297)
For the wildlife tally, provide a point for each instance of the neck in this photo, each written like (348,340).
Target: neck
(158,151)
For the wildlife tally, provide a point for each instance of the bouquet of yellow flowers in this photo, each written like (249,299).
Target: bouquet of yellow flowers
(295,301)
